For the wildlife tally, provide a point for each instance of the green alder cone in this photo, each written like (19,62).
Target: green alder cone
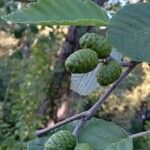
(83,146)
(61,140)
(96,43)
(109,73)
(82,61)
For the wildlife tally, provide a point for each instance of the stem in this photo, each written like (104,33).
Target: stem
(75,117)
(124,64)
(141,134)
(96,106)
(77,129)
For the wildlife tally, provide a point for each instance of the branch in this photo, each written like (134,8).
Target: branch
(141,134)
(96,106)
(126,64)
(84,116)
(75,117)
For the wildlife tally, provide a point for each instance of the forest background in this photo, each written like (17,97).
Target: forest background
(35,86)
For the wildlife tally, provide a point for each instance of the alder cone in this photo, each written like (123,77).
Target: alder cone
(109,73)
(83,146)
(61,140)
(82,61)
(96,43)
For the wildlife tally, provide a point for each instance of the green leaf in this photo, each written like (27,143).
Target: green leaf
(129,31)
(61,12)
(124,144)
(35,145)
(98,133)
(101,134)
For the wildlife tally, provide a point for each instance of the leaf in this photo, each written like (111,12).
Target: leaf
(85,83)
(124,144)
(35,145)
(98,133)
(61,12)
(129,31)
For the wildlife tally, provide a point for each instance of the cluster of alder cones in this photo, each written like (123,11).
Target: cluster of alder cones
(94,47)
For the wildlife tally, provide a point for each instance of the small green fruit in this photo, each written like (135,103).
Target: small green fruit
(61,140)
(96,43)
(109,73)
(82,61)
(83,146)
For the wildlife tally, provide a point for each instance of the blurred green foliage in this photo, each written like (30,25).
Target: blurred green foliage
(25,78)
(24,84)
